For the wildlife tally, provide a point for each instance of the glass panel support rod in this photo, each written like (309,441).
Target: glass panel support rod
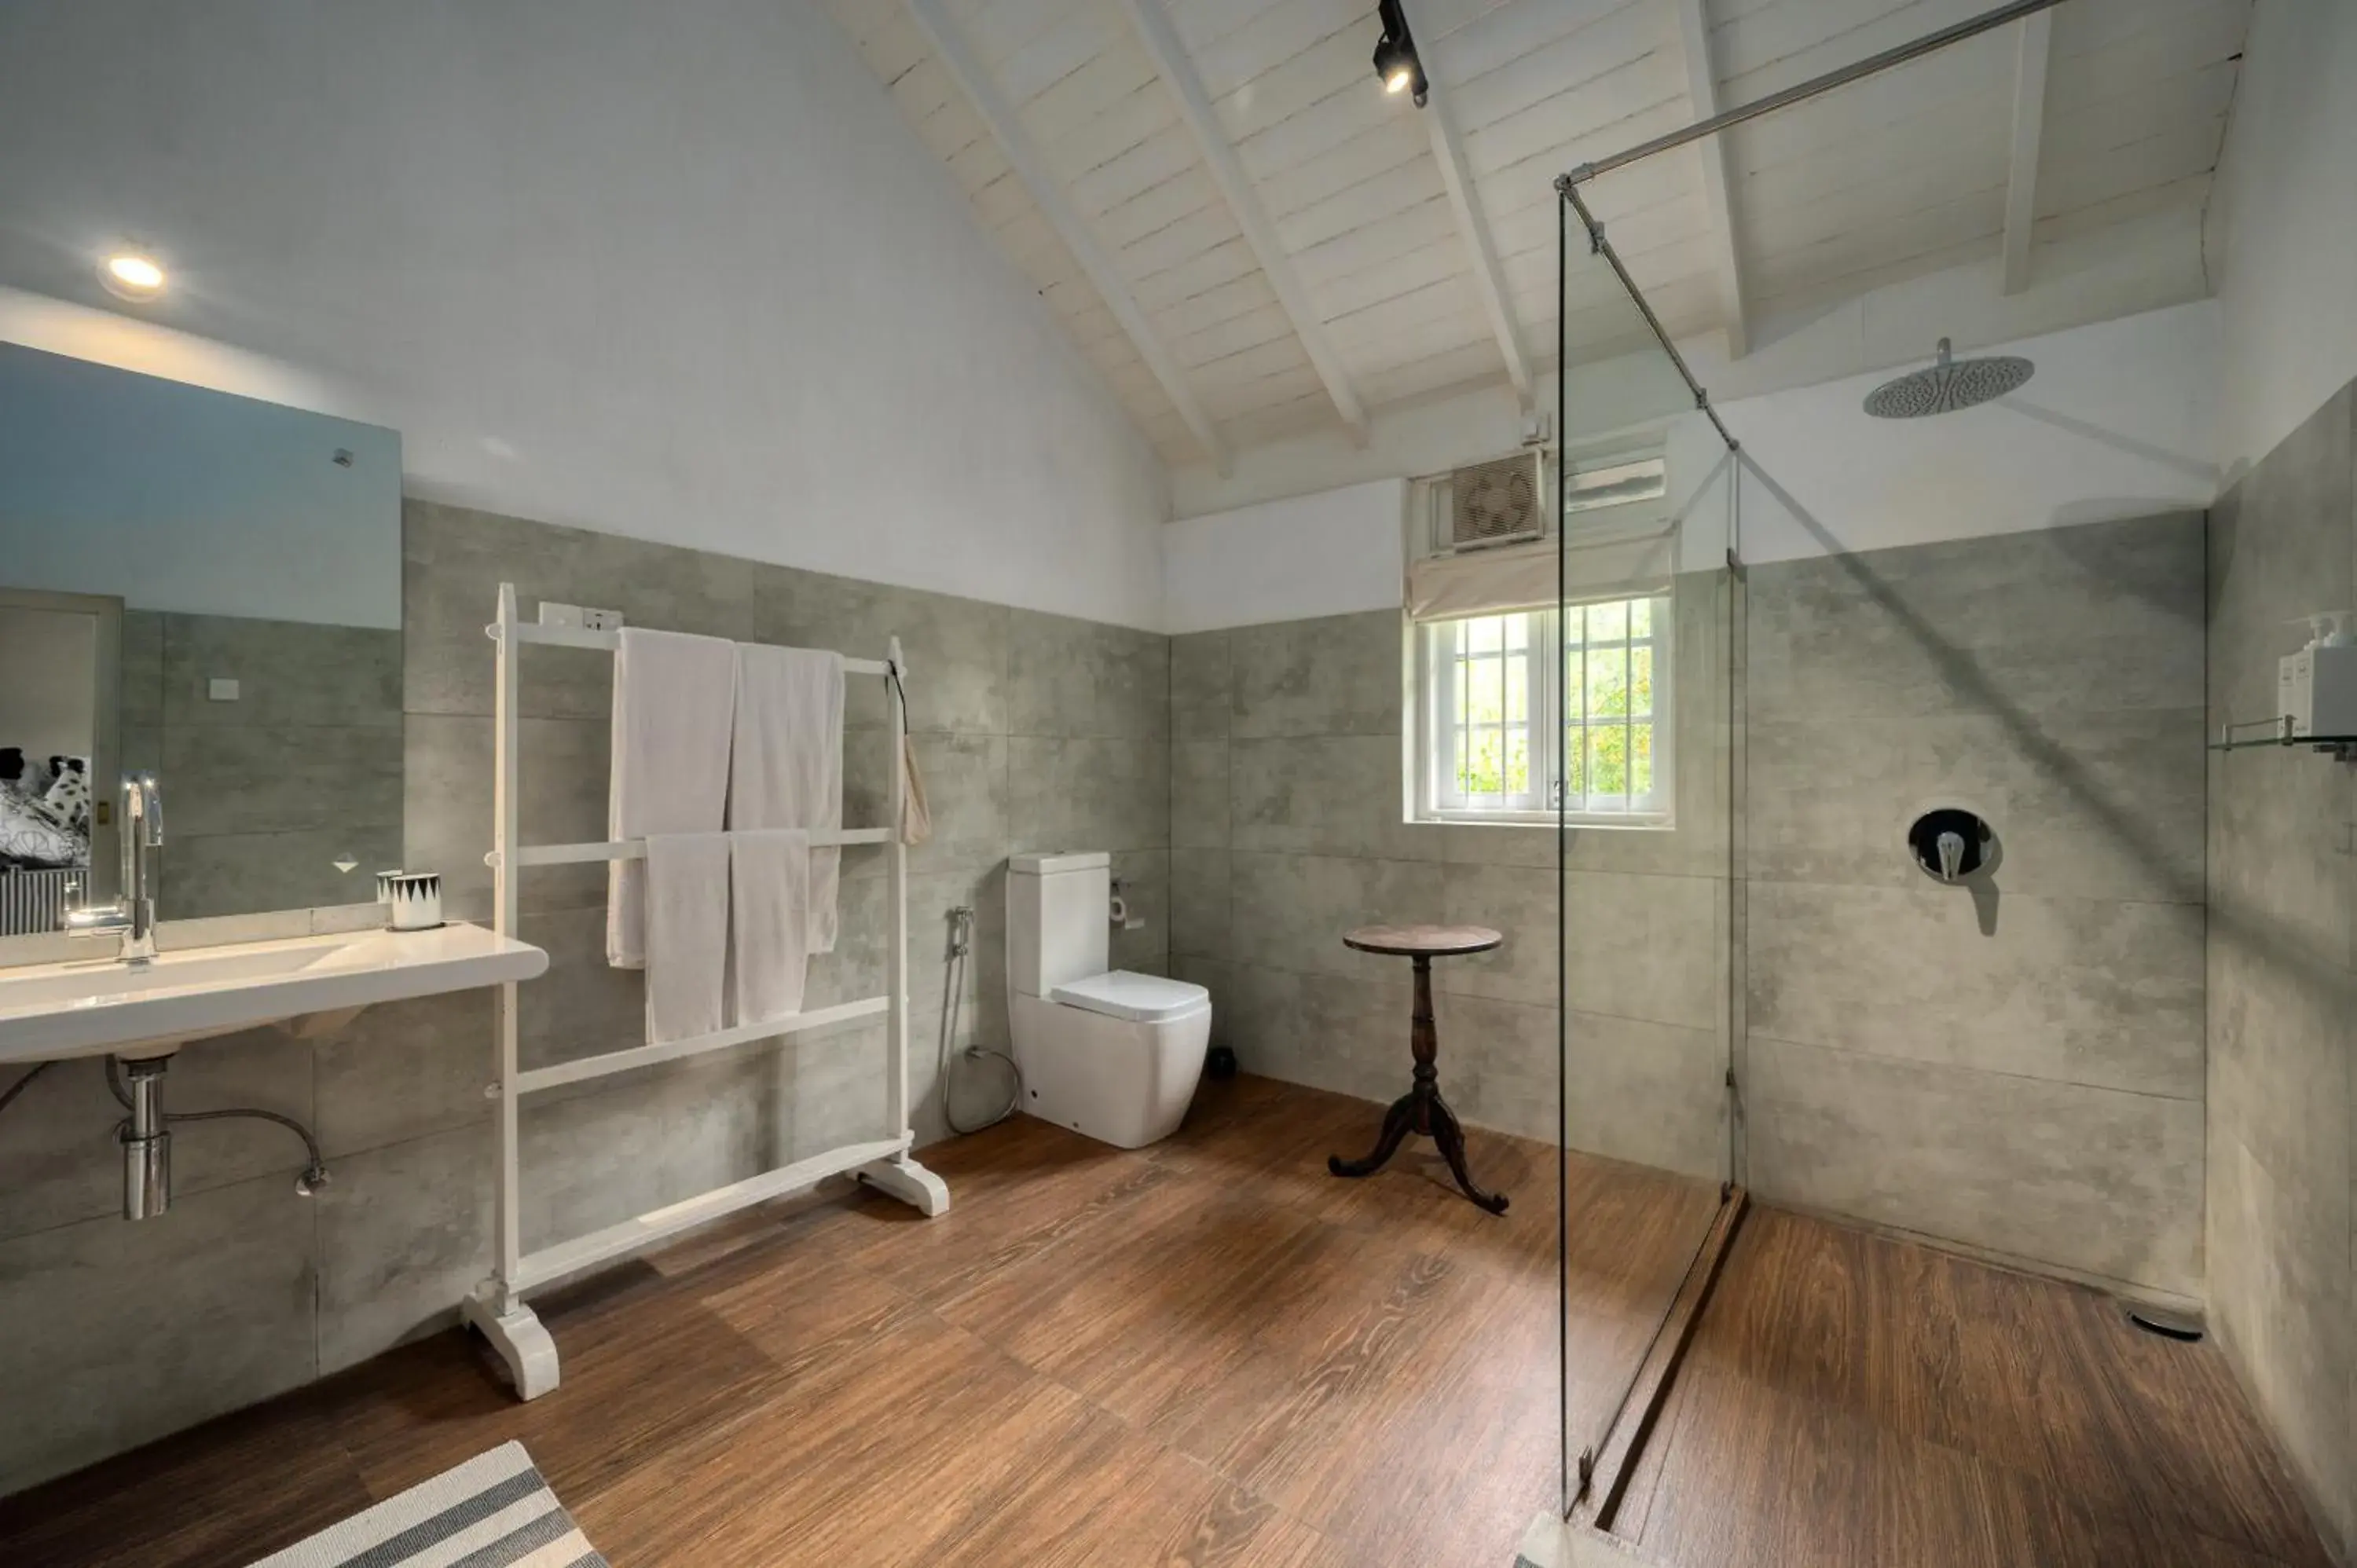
(1597,244)
(1970,27)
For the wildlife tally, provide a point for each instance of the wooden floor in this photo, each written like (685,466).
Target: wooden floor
(1207,1352)
(1852,1400)
(1213,1352)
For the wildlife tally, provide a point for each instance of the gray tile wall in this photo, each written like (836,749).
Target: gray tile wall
(2283,919)
(264,794)
(1032,731)
(2027,1082)
(1286,823)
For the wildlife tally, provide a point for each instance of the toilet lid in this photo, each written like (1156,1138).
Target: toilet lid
(1141,998)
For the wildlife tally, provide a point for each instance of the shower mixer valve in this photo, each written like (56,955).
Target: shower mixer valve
(1951,855)
(1952,843)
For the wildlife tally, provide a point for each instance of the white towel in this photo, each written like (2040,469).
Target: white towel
(787,767)
(674,698)
(769,882)
(687,935)
(916,816)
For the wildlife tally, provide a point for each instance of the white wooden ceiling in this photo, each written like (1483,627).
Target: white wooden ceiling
(1250,239)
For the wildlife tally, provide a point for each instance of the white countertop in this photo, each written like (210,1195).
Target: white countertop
(93,1007)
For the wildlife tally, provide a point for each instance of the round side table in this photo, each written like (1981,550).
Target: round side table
(1421,1109)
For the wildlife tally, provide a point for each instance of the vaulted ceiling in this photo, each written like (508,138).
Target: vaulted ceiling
(1250,239)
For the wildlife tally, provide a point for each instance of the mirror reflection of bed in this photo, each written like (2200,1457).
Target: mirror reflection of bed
(58,727)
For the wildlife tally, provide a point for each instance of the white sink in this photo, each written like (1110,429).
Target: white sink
(53,1011)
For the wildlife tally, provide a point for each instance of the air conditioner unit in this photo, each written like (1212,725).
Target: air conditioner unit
(1503,501)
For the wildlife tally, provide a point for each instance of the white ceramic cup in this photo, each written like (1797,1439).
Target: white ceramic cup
(417,900)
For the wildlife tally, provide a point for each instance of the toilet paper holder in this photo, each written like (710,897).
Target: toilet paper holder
(1117,910)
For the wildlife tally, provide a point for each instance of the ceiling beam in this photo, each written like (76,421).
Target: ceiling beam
(1702,89)
(2029,132)
(1172,63)
(957,55)
(1489,279)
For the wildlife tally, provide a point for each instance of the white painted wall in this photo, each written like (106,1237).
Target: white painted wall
(2137,266)
(1322,554)
(2119,421)
(677,272)
(2282,225)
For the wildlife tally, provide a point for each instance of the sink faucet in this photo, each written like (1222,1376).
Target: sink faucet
(132,917)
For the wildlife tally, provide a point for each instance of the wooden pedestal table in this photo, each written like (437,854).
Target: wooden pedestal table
(1421,1109)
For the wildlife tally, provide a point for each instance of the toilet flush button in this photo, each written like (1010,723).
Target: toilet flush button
(221,691)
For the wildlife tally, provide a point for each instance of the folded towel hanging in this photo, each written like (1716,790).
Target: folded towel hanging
(687,935)
(786,770)
(675,696)
(769,883)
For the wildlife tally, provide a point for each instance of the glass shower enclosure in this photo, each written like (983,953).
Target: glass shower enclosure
(1642,781)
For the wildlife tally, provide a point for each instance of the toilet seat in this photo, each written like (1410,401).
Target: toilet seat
(1133,997)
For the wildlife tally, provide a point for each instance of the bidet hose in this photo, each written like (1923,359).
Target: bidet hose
(314,1176)
(961,943)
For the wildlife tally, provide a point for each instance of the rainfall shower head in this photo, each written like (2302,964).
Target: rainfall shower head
(1951,384)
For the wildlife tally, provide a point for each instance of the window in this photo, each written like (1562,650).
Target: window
(1488,686)
(1489,694)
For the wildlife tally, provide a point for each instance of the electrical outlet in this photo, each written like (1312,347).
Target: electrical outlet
(602,620)
(221,690)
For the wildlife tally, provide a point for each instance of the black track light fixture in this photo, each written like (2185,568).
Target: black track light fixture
(1396,59)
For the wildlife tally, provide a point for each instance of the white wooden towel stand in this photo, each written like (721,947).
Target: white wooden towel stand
(497,1307)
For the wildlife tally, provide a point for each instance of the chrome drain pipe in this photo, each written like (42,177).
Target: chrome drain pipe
(146,1136)
(146,1139)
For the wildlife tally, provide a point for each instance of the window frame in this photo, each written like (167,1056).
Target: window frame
(1441,802)
(1433,733)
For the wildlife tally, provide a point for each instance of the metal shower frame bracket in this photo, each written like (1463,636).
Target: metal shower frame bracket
(1568,184)
(1872,65)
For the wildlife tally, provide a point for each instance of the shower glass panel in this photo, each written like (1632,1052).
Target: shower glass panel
(1802,857)
(1638,771)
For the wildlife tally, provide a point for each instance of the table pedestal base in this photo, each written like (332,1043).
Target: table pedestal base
(1421,1109)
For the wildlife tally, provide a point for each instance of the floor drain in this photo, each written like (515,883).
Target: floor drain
(2169,1326)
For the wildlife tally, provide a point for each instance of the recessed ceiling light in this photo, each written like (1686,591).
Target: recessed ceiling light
(132,276)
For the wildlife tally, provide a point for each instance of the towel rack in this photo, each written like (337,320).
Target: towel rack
(497,1307)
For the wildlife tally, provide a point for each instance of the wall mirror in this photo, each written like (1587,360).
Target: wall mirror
(206,588)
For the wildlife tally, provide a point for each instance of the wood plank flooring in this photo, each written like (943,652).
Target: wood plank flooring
(1853,1400)
(1207,1352)
(1213,1352)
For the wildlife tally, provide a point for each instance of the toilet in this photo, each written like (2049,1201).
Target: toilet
(1108,1053)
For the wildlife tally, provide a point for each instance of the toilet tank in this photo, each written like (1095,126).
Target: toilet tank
(1056,929)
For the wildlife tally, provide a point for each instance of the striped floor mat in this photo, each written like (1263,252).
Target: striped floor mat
(494,1511)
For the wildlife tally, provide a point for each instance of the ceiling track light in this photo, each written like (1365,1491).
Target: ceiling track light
(1395,57)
